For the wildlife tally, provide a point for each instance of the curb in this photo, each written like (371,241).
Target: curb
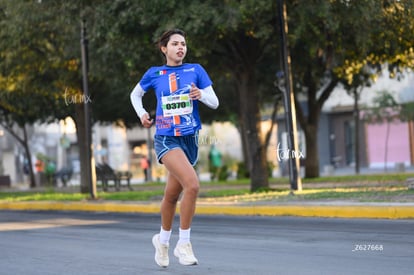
(328,211)
(347,211)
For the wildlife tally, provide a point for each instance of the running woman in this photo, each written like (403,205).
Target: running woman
(179,87)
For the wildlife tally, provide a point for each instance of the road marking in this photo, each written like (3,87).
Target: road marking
(50,223)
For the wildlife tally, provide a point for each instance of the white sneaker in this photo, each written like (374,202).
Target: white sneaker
(161,251)
(185,255)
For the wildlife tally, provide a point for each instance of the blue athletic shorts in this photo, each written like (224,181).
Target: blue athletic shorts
(189,145)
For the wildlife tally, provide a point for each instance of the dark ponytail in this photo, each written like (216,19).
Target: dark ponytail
(165,37)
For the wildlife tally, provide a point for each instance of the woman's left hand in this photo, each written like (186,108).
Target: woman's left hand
(195,93)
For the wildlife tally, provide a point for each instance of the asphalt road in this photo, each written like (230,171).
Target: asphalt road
(47,242)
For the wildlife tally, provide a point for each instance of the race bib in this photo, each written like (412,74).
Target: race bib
(176,105)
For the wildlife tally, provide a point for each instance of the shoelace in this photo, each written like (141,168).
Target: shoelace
(163,251)
(188,250)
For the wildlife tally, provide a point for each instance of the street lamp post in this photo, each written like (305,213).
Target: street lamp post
(289,102)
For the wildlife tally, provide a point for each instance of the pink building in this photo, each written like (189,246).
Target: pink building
(396,148)
(380,145)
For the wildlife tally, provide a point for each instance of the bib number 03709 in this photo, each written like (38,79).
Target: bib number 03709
(176,105)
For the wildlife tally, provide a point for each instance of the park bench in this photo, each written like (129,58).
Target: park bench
(64,174)
(5,181)
(105,174)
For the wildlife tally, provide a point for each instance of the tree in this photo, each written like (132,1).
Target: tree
(364,78)
(239,49)
(236,47)
(236,41)
(26,73)
(407,111)
(246,48)
(40,67)
(325,51)
(385,110)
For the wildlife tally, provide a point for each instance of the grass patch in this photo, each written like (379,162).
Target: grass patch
(358,194)
(389,177)
(232,182)
(223,193)
(372,194)
(397,177)
(44,196)
(132,195)
(240,190)
(56,196)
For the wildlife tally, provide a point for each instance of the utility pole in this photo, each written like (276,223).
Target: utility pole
(289,102)
(90,163)
(356,132)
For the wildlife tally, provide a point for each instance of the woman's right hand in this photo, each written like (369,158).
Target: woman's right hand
(146,121)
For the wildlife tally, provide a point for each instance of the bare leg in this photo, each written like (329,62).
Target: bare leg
(172,192)
(182,177)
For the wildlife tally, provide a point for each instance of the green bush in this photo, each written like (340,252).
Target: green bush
(270,167)
(223,173)
(242,171)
